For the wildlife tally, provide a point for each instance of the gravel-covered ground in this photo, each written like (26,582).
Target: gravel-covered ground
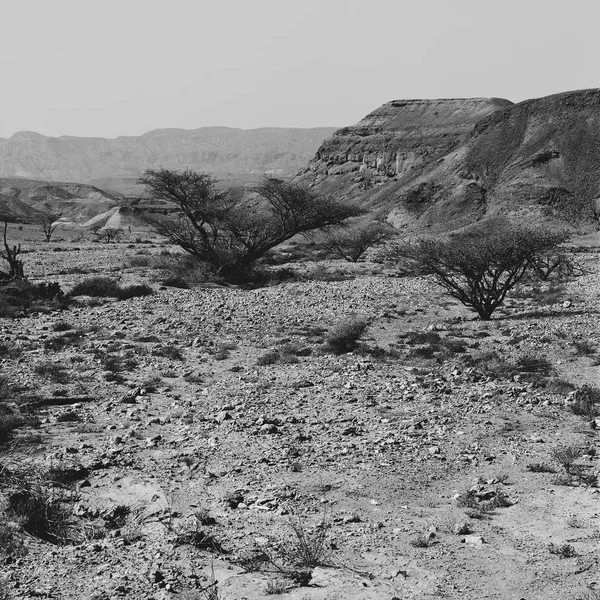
(188,432)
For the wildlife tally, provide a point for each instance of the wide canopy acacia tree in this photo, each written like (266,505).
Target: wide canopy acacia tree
(480,265)
(228,232)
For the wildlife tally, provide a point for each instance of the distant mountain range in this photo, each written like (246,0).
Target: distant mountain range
(115,164)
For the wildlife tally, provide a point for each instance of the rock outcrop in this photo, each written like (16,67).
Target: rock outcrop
(404,135)
(442,164)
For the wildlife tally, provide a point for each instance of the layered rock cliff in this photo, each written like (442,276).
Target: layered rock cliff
(442,164)
(403,135)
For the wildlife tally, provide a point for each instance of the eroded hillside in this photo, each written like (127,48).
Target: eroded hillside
(437,165)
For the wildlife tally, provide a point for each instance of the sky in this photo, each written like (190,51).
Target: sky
(124,67)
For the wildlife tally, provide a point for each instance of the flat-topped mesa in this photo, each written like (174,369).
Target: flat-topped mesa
(536,160)
(403,135)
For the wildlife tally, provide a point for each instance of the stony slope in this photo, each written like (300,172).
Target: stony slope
(221,150)
(197,426)
(537,160)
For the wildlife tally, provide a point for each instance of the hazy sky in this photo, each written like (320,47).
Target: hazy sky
(124,67)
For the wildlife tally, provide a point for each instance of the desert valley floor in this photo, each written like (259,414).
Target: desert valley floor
(195,435)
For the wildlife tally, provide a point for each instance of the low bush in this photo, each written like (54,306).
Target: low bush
(41,513)
(562,551)
(533,369)
(68,416)
(72,337)
(566,456)
(140,260)
(22,296)
(61,326)
(134,291)
(5,388)
(9,350)
(540,468)
(587,402)
(8,423)
(351,242)
(116,363)
(556,385)
(268,358)
(180,267)
(105,287)
(422,541)
(176,281)
(345,336)
(171,352)
(539,365)
(96,286)
(11,544)
(53,371)
(584,347)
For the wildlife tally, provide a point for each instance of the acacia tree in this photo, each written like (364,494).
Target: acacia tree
(108,234)
(350,243)
(481,265)
(230,233)
(49,223)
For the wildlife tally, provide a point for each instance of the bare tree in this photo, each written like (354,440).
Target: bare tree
(351,242)
(556,264)
(230,233)
(49,223)
(11,255)
(109,234)
(481,265)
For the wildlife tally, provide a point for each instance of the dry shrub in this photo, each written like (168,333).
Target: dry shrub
(307,548)
(566,455)
(586,402)
(345,336)
(40,512)
(105,287)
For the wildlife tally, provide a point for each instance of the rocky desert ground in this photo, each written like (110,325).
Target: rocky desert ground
(209,443)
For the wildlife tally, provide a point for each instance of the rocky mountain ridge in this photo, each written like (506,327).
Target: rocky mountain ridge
(223,151)
(442,164)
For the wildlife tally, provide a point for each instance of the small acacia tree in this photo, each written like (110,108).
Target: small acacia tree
(227,232)
(108,234)
(481,265)
(351,242)
(49,223)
